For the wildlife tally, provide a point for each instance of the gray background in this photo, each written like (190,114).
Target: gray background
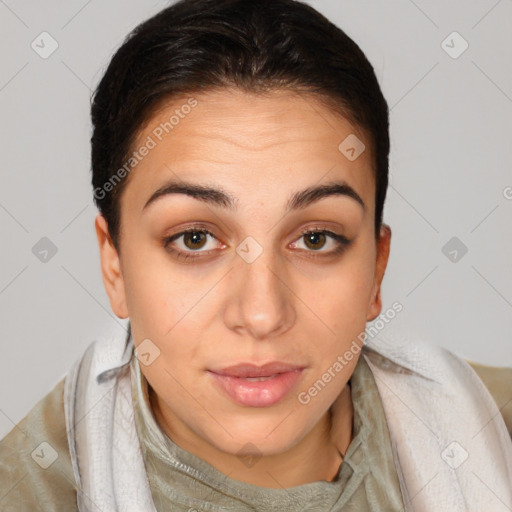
(450,169)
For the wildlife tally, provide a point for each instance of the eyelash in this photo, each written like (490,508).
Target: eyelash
(342,242)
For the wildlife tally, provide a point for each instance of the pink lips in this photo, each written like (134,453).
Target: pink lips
(277,379)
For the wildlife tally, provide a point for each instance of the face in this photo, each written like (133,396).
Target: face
(257,270)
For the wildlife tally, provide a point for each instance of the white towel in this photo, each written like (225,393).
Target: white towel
(450,444)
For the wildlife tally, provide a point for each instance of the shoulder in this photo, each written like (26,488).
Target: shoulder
(406,353)
(35,465)
(498,381)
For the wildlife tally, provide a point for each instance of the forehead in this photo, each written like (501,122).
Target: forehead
(255,145)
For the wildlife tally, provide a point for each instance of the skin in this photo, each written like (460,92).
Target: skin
(297,303)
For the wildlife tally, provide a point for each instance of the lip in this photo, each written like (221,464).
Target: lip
(279,380)
(253,370)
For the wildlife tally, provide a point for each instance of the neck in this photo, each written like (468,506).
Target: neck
(317,456)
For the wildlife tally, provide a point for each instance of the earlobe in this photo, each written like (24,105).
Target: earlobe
(111,269)
(383,246)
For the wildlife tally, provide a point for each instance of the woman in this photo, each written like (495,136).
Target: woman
(240,166)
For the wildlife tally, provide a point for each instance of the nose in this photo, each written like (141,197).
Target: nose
(260,301)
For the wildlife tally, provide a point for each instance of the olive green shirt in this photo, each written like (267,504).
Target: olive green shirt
(36,472)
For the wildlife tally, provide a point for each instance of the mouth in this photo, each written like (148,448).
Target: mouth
(257,386)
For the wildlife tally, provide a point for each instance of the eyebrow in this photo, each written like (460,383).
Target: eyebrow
(219,197)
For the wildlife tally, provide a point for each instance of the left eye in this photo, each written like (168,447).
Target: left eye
(316,240)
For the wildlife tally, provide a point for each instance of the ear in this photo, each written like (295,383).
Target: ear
(111,269)
(383,244)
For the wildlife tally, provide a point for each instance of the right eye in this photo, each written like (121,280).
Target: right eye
(188,242)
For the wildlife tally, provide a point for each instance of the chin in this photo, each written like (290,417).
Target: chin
(251,441)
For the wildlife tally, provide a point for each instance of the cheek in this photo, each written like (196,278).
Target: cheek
(155,297)
(163,306)
(342,304)
(344,297)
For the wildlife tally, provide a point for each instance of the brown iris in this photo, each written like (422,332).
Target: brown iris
(313,239)
(195,238)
